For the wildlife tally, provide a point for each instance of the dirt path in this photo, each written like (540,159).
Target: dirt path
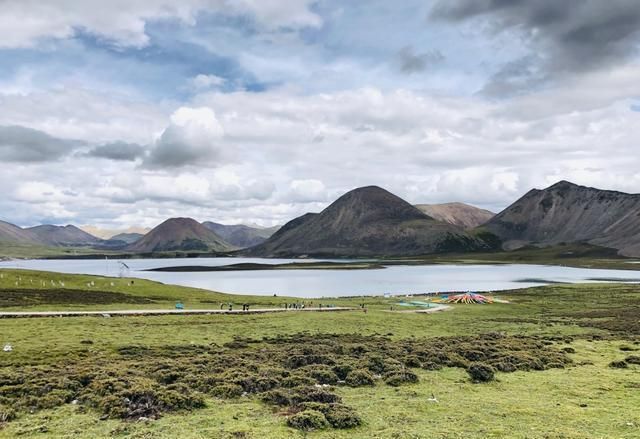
(146,312)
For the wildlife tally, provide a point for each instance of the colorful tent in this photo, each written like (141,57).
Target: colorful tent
(469,298)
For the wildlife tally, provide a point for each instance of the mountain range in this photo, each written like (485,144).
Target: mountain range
(566,213)
(371,221)
(368,221)
(240,235)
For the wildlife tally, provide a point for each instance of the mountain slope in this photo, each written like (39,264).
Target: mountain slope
(178,234)
(10,233)
(129,238)
(459,214)
(368,221)
(240,235)
(68,235)
(566,212)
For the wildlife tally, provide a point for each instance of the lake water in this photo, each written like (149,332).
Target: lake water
(335,283)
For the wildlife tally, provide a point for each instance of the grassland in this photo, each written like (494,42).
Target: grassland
(552,348)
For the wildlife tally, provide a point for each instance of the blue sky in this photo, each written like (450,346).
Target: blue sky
(246,111)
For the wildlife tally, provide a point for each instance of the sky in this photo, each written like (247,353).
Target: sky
(127,112)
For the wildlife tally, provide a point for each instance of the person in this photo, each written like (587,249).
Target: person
(230,306)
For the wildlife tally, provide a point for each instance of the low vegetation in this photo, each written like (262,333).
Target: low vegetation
(548,364)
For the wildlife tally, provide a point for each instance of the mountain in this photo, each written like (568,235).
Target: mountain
(458,214)
(10,233)
(240,235)
(566,212)
(180,234)
(368,221)
(68,235)
(110,233)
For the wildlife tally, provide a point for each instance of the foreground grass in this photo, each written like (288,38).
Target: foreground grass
(586,399)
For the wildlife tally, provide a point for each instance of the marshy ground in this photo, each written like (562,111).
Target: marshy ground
(559,362)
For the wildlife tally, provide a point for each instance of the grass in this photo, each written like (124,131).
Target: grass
(590,325)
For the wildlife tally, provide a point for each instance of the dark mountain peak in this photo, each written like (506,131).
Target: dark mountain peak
(180,234)
(566,212)
(371,203)
(367,221)
(564,184)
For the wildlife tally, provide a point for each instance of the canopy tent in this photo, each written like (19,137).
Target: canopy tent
(469,298)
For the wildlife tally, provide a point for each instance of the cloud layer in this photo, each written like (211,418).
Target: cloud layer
(132,112)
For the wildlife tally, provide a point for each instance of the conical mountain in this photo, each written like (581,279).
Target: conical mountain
(566,212)
(180,234)
(368,221)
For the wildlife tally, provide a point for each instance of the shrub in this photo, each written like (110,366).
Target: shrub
(227,391)
(359,377)
(308,420)
(633,359)
(481,372)
(619,364)
(569,350)
(342,416)
(6,414)
(505,366)
(338,415)
(430,365)
(313,394)
(321,373)
(296,380)
(399,377)
(342,370)
(412,361)
(277,397)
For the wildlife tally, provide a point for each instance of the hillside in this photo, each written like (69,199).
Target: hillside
(459,214)
(368,221)
(68,235)
(566,212)
(240,235)
(180,234)
(10,233)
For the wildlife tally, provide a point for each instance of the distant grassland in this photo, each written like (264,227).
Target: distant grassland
(559,341)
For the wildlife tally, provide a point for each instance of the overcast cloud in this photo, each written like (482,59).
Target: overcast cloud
(135,111)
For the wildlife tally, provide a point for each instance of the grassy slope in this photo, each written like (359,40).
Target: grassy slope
(589,400)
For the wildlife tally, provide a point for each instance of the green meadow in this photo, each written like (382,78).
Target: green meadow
(563,363)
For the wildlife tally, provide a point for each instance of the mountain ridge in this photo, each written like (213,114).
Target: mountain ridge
(367,221)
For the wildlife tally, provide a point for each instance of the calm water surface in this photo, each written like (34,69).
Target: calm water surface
(335,283)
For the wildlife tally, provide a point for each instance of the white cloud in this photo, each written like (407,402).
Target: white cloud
(24,23)
(203,82)
(192,138)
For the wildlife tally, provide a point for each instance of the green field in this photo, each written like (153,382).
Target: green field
(247,376)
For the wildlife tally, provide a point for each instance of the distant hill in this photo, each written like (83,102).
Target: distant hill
(368,221)
(459,214)
(68,235)
(129,238)
(180,234)
(565,213)
(10,233)
(239,235)
(110,233)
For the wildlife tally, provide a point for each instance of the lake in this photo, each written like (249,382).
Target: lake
(334,283)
